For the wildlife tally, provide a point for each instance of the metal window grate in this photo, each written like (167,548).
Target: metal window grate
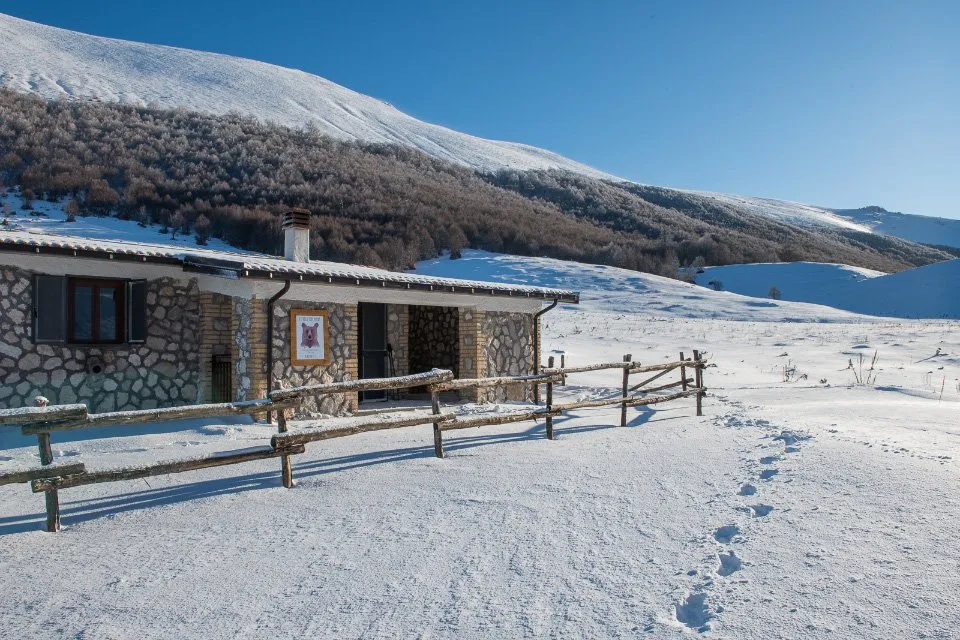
(221,380)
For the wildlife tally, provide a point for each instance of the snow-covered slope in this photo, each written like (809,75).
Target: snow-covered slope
(622,291)
(793,212)
(925,229)
(57,63)
(924,292)
(50,218)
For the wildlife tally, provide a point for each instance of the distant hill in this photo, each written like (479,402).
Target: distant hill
(923,292)
(943,232)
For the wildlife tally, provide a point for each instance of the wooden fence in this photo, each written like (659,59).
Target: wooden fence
(51,476)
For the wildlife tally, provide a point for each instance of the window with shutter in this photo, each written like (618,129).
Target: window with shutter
(89,310)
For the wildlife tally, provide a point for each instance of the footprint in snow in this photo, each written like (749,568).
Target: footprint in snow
(694,612)
(766,474)
(726,533)
(760,510)
(729,563)
(769,459)
(747,489)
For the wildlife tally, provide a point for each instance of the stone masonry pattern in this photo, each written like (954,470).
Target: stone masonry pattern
(509,352)
(163,371)
(343,356)
(434,339)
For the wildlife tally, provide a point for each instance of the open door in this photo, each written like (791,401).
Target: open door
(373,346)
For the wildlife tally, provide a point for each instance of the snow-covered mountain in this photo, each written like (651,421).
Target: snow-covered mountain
(57,63)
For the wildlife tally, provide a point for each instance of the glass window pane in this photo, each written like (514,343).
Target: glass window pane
(83,313)
(108,314)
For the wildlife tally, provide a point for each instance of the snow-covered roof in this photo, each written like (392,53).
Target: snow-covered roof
(259,266)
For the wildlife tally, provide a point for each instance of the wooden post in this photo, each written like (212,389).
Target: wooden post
(563,364)
(286,467)
(549,418)
(626,390)
(437,435)
(683,373)
(698,380)
(53,500)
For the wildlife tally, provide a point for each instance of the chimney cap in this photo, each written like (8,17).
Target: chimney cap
(297,217)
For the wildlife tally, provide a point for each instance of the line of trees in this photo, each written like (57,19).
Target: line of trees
(232,177)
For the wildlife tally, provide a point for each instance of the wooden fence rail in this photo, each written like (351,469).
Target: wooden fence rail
(51,477)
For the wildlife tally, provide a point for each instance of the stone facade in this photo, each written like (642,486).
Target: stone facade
(343,356)
(434,339)
(162,371)
(186,329)
(398,337)
(510,351)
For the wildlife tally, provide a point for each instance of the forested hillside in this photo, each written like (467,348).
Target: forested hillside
(382,205)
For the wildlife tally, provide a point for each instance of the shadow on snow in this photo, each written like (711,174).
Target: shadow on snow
(77,511)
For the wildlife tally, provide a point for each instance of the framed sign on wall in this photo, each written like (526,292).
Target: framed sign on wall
(309,337)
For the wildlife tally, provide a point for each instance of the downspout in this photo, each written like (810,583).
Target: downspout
(272,301)
(536,346)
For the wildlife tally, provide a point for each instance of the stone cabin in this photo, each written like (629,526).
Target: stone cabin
(126,325)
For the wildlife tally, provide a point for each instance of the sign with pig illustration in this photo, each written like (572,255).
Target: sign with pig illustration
(309,337)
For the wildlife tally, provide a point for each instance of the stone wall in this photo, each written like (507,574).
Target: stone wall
(434,339)
(343,356)
(509,351)
(162,371)
(398,337)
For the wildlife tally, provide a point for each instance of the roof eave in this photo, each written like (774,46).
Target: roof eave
(224,271)
(379,283)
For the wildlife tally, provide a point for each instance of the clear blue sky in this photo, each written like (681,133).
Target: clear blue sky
(839,104)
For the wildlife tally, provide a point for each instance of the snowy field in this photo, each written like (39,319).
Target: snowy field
(801,505)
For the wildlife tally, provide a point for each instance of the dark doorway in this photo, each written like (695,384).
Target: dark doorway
(434,338)
(373,345)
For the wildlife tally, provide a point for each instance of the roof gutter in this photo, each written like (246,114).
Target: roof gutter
(536,346)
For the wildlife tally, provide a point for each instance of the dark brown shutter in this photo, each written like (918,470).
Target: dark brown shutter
(49,308)
(136,311)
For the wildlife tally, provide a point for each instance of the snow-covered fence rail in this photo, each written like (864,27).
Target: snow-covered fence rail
(42,421)
(51,477)
(146,416)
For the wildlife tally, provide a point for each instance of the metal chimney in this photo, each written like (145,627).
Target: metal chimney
(296,235)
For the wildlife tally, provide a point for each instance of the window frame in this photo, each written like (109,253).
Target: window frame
(120,286)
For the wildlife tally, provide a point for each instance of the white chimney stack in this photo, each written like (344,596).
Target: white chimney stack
(296,235)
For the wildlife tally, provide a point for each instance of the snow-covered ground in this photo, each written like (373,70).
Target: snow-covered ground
(926,229)
(924,292)
(801,505)
(49,217)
